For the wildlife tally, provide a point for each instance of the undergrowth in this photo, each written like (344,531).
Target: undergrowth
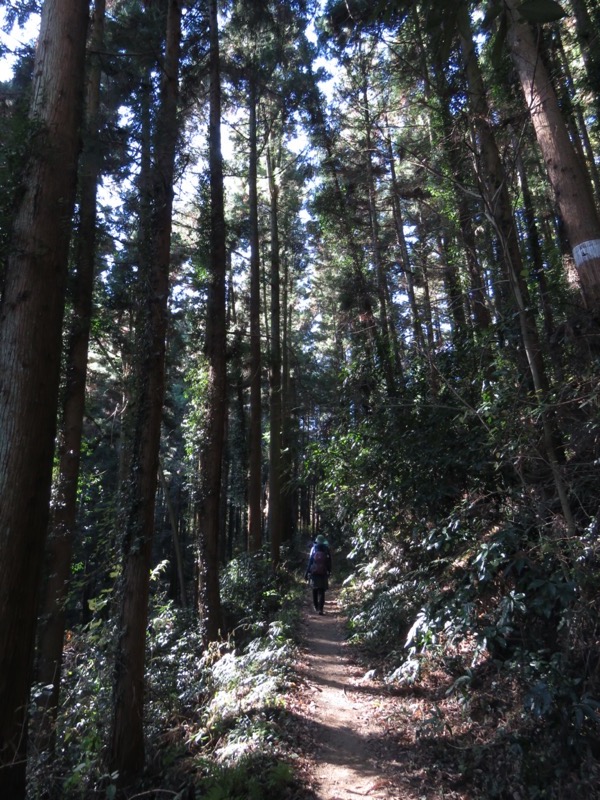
(215,722)
(496,625)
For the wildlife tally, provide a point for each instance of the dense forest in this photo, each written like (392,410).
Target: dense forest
(270,269)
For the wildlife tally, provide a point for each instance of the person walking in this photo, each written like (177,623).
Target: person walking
(318,571)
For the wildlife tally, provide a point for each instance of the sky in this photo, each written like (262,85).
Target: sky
(13,41)
(21,36)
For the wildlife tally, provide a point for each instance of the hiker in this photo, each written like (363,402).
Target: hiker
(319,570)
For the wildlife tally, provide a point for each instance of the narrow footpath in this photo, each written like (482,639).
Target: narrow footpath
(353,753)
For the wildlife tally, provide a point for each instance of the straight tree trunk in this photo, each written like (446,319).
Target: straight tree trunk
(144,250)
(174,523)
(51,627)
(559,63)
(456,303)
(255,428)
(31,316)
(127,732)
(566,173)
(354,250)
(212,454)
(276,411)
(500,211)
(427,310)
(287,443)
(385,346)
(453,144)
(498,204)
(405,261)
(478,299)
(533,240)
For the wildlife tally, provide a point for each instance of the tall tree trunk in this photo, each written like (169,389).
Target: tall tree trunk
(498,204)
(255,428)
(426,304)
(51,627)
(533,240)
(566,173)
(349,241)
(559,63)
(144,250)
(287,443)
(31,316)
(456,302)
(385,347)
(275,501)
(500,211)
(127,732)
(212,452)
(405,261)
(454,150)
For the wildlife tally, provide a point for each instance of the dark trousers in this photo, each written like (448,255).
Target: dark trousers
(319,599)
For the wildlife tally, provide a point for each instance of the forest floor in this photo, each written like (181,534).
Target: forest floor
(358,735)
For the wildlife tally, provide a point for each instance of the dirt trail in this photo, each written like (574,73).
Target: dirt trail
(347,713)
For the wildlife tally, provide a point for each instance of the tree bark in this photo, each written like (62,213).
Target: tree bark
(31,316)
(51,626)
(127,732)
(405,261)
(174,523)
(558,65)
(385,347)
(586,26)
(456,300)
(498,204)
(454,149)
(212,454)
(533,239)
(566,173)
(500,211)
(275,415)
(287,437)
(255,430)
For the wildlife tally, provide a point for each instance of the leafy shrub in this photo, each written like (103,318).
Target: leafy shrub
(255,777)
(214,708)
(380,600)
(250,593)
(76,767)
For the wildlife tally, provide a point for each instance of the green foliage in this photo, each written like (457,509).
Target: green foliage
(220,705)
(245,689)
(253,594)
(19,12)
(254,778)
(77,769)
(440,491)
(429,452)
(195,393)
(381,599)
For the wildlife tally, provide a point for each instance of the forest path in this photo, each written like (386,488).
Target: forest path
(354,755)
